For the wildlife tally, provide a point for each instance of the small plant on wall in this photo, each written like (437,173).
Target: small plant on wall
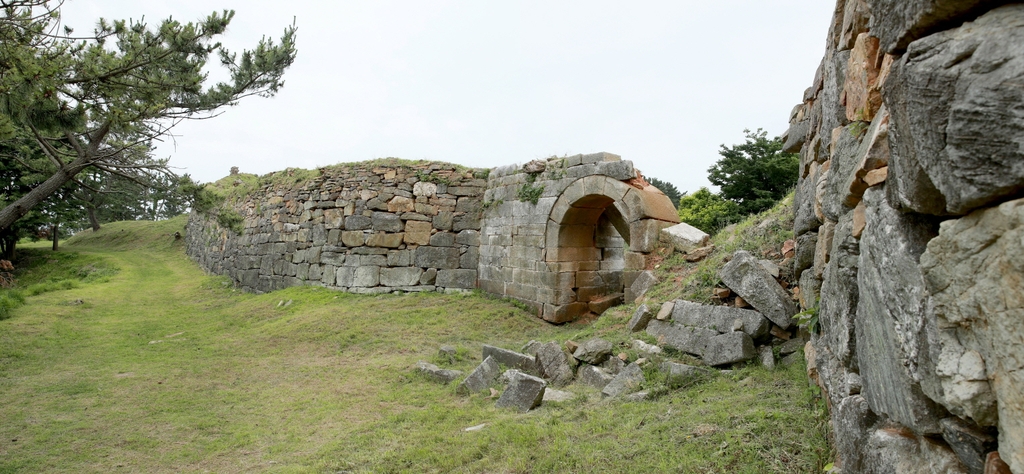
(528,191)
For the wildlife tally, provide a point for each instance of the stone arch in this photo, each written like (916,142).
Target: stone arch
(589,270)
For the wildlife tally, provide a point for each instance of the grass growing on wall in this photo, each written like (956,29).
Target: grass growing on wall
(156,367)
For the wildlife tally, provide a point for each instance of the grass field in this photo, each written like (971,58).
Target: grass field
(127,358)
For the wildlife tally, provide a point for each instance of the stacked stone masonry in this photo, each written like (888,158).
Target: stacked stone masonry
(565,236)
(910,223)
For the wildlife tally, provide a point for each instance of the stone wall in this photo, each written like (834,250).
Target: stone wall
(912,162)
(565,236)
(359,228)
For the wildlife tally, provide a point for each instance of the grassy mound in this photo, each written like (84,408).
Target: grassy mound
(159,368)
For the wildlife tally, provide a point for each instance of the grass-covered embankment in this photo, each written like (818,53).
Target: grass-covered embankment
(155,367)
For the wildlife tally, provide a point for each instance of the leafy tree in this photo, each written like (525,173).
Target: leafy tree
(668,188)
(97,102)
(755,174)
(708,211)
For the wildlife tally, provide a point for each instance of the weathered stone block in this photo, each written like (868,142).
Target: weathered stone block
(417,232)
(897,23)
(628,380)
(553,363)
(839,294)
(745,276)
(594,351)
(456,279)
(688,339)
(524,393)
(973,271)
(685,237)
(385,240)
(512,359)
(640,318)
(481,378)
(594,376)
(383,221)
(729,348)
(401,276)
(366,276)
(442,258)
(444,376)
(719,318)
(954,148)
(358,222)
(678,375)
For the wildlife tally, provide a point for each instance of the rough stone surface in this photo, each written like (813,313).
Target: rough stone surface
(691,340)
(956,148)
(745,276)
(767,357)
(897,23)
(891,302)
(441,375)
(480,378)
(524,393)
(974,271)
(643,283)
(593,351)
(897,451)
(640,318)
(969,442)
(852,421)
(840,293)
(553,363)
(804,258)
(719,318)
(557,396)
(627,381)
(511,359)
(729,348)
(594,376)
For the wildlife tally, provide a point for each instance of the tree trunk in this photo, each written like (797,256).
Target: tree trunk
(91,212)
(53,230)
(19,208)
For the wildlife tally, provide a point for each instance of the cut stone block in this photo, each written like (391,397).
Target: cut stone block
(640,318)
(480,378)
(745,276)
(627,381)
(512,359)
(594,352)
(719,318)
(524,393)
(444,376)
(685,237)
(729,348)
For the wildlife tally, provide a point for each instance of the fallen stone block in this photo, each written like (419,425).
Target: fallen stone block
(640,318)
(791,346)
(600,305)
(553,363)
(691,340)
(594,351)
(745,276)
(767,357)
(729,348)
(628,381)
(719,318)
(444,376)
(512,359)
(970,442)
(643,283)
(523,394)
(685,237)
(481,377)
(646,349)
(593,376)
(665,312)
(557,396)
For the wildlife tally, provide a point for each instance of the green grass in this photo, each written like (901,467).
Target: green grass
(156,367)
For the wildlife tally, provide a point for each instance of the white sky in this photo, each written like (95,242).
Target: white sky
(486,83)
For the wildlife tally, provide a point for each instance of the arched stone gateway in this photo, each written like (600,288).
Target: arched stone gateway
(579,248)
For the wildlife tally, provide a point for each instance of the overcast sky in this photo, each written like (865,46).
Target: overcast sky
(487,83)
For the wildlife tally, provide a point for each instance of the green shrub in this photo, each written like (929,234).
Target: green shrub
(708,211)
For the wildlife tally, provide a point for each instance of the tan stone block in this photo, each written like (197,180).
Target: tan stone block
(824,247)
(334,218)
(576,236)
(401,204)
(387,240)
(859,219)
(417,232)
(877,176)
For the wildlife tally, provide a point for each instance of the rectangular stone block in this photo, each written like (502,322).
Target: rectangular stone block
(437,257)
(417,232)
(386,240)
(456,279)
(401,276)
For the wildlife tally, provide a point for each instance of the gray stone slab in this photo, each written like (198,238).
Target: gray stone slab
(524,393)
(594,351)
(897,23)
(400,276)
(434,372)
(465,279)
(691,340)
(628,381)
(593,376)
(512,359)
(719,318)
(729,348)
(441,258)
(553,362)
(640,318)
(481,378)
